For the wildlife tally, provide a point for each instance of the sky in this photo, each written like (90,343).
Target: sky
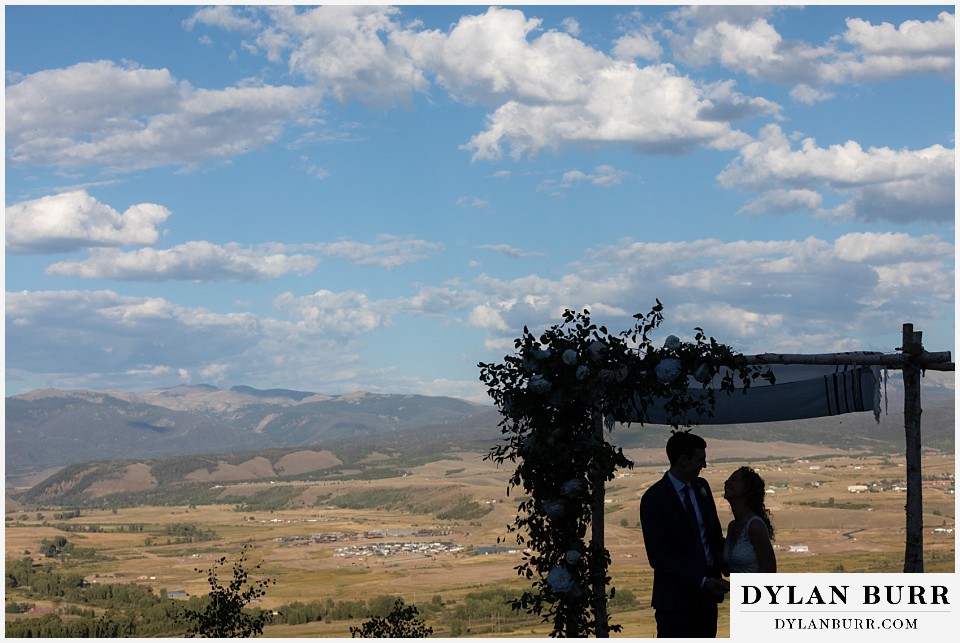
(346,198)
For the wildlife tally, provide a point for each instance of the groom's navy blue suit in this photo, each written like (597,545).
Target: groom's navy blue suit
(683,607)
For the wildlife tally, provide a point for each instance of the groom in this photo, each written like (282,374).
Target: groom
(684,541)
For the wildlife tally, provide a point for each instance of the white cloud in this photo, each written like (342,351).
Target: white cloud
(128,118)
(814,295)
(202,261)
(887,246)
(549,88)
(651,109)
(749,47)
(433,301)
(350,52)
(95,99)
(782,201)
(603,176)
(102,331)
(708,15)
(340,314)
(510,251)
(893,185)
(475,202)
(387,251)
(553,90)
(729,321)
(887,51)
(746,42)
(197,261)
(809,95)
(725,104)
(638,44)
(100,339)
(72,220)
(755,295)
(317,172)
(920,197)
(489,57)
(224,17)
(490,317)
(571,26)
(911,37)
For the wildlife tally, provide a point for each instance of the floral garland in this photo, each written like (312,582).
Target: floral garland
(557,395)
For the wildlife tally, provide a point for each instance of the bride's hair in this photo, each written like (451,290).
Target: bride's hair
(756,494)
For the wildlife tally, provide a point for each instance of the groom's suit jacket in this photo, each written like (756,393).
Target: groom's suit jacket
(672,544)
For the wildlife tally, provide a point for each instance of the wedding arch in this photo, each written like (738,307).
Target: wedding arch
(565,389)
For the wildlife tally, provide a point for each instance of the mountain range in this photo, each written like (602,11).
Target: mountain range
(49,428)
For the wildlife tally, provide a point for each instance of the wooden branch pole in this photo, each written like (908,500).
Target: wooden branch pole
(912,360)
(939,361)
(913,552)
(598,581)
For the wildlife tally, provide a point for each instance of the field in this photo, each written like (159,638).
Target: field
(821,526)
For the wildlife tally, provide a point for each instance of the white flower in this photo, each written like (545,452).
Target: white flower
(572,557)
(668,370)
(622,372)
(607,376)
(672,342)
(572,487)
(596,348)
(539,384)
(569,357)
(542,353)
(554,509)
(703,374)
(560,580)
(582,372)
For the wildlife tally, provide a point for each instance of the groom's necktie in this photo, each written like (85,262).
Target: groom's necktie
(688,500)
(687,494)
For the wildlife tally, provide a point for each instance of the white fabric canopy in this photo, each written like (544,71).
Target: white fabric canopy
(800,392)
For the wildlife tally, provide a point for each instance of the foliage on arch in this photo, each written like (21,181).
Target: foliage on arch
(553,395)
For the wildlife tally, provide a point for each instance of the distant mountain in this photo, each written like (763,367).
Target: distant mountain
(49,429)
(53,428)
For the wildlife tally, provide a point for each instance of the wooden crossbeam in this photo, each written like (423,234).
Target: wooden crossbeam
(937,361)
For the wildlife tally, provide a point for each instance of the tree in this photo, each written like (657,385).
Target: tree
(401,622)
(223,615)
(557,394)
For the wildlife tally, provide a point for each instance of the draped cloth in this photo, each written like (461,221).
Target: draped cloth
(800,392)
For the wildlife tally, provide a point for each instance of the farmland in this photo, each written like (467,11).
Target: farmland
(445,523)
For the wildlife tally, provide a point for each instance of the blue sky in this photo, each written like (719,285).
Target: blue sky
(378,198)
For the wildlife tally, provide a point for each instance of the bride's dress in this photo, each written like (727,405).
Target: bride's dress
(740,556)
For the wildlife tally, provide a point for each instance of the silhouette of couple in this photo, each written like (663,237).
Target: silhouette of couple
(686,546)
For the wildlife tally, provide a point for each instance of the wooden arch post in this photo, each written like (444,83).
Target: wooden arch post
(913,550)
(912,360)
(598,540)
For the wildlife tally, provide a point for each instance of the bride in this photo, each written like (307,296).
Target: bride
(748,545)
